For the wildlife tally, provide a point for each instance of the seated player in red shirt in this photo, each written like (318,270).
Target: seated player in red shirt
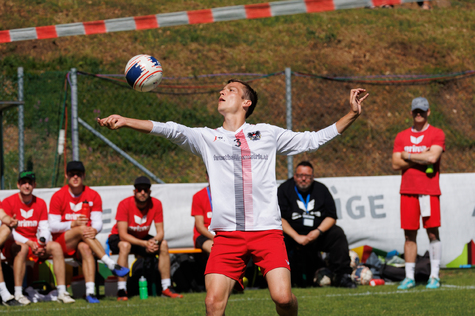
(202,209)
(31,237)
(75,218)
(135,215)
(8,223)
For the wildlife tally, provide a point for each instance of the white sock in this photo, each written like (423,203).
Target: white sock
(435,253)
(122,285)
(4,292)
(410,268)
(108,261)
(90,288)
(166,284)
(61,289)
(18,291)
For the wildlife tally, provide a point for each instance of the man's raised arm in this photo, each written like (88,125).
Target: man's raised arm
(116,121)
(355,103)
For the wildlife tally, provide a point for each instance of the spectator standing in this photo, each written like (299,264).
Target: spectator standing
(417,153)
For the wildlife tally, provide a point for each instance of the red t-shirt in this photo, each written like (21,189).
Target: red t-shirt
(69,207)
(201,206)
(138,221)
(28,216)
(415,180)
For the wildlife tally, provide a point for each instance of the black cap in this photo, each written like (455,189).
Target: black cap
(27,175)
(75,166)
(142,180)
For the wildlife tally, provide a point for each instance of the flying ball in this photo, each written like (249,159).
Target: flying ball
(143,73)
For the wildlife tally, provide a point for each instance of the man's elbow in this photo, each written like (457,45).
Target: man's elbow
(432,160)
(396,167)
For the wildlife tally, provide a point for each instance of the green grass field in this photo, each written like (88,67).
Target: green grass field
(456,297)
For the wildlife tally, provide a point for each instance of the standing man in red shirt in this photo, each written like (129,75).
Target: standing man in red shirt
(75,218)
(417,152)
(201,209)
(134,217)
(31,237)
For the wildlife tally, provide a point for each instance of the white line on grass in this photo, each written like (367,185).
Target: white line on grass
(445,287)
(87,307)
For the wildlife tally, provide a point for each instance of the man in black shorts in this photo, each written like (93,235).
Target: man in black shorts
(135,215)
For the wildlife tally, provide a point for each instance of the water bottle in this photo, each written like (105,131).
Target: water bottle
(86,209)
(430,168)
(143,288)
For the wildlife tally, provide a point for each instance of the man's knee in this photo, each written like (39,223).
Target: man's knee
(215,302)
(84,249)
(124,247)
(54,248)
(164,245)
(284,300)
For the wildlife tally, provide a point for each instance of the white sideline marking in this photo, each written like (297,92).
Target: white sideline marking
(445,287)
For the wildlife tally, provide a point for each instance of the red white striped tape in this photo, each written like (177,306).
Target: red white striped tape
(239,12)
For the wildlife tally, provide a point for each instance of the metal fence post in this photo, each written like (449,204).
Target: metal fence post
(74,115)
(21,130)
(288,97)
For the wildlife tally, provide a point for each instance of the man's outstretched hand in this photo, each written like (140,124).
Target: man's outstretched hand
(112,122)
(356,99)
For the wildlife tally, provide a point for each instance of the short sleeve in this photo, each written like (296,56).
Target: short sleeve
(398,144)
(122,212)
(158,212)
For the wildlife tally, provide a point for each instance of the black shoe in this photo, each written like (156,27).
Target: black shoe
(122,295)
(344,280)
(12,302)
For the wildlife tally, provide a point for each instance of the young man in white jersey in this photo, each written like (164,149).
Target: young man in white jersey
(417,152)
(240,161)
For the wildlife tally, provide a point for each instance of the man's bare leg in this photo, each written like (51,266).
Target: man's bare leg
(123,259)
(218,289)
(278,281)
(164,261)
(59,267)
(19,263)
(88,262)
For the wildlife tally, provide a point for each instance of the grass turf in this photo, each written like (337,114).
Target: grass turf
(456,297)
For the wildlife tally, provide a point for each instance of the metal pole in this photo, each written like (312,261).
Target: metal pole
(21,125)
(120,151)
(74,115)
(288,97)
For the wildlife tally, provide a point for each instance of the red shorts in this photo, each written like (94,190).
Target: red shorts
(411,212)
(68,253)
(232,250)
(7,251)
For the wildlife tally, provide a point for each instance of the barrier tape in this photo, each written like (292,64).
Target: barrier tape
(231,13)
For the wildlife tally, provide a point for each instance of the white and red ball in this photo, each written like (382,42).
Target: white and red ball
(362,275)
(143,73)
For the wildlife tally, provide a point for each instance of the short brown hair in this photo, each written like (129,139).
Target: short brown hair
(249,94)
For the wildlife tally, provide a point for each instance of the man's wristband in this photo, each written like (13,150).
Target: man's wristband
(319,230)
(409,157)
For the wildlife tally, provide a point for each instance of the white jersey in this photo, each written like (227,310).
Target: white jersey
(241,168)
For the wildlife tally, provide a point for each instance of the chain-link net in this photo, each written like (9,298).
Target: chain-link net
(363,150)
